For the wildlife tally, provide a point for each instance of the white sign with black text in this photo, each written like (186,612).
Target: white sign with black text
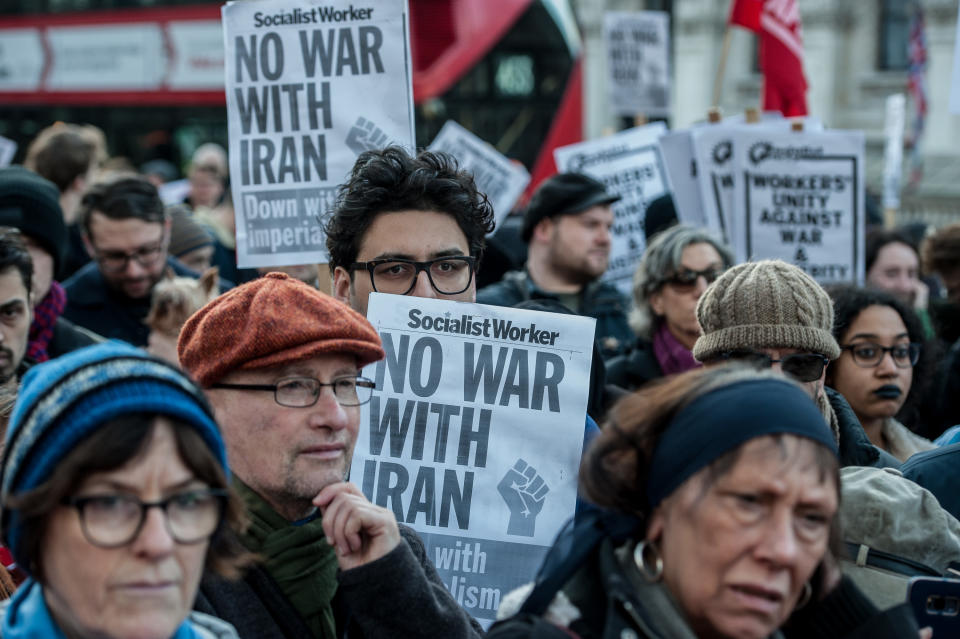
(501,180)
(802,197)
(629,164)
(638,62)
(474,434)
(310,85)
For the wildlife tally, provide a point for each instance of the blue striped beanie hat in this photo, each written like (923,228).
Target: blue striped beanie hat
(64,400)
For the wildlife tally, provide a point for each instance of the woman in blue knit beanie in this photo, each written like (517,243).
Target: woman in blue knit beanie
(115,499)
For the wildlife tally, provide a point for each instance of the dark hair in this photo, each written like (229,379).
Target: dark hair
(615,468)
(121,199)
(941,251)
(61,153)
(878,238)
(390,180)
(14,255)
(111,446)
(848,302)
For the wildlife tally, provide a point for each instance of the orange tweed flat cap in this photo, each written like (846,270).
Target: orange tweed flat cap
(272,321)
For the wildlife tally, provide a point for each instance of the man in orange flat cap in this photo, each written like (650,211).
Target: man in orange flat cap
(281,363)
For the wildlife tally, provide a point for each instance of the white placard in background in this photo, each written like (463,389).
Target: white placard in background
(8,148)
(304,99)
(474,434)
(496,176)
(638,62)
(955,83)
(802,195)
(629,164)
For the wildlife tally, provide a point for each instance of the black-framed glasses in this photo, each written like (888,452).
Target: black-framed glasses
(117,261)
(301,392)
(448,275)
(868,354)
(114,520)
(685,279)
(803,367)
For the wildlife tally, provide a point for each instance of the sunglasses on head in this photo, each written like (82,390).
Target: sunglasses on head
(803,367)
(686,279)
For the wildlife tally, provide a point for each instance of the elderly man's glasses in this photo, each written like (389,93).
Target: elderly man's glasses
(448,275)
(111,521)
(868,354)
(803,367)
(301,392)
(117,261)
(685,280)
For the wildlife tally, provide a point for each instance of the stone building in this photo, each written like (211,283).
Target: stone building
(855,56)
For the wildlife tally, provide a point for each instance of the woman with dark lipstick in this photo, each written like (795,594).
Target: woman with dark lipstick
(882,343)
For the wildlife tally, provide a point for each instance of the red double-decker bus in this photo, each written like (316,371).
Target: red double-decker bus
(150,74)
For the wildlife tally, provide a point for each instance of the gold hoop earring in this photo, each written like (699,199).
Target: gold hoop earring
(805,596)
(641,553)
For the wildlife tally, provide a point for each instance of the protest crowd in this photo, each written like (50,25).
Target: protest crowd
(640,403)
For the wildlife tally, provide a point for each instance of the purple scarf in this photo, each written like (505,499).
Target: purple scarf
(45,315)
(671,354)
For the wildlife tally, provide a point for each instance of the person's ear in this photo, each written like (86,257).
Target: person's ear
(341,284)
(543,230)
(656,302)
(656,526)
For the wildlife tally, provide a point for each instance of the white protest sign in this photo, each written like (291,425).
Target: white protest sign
(474,434)
(676,147)
(638,62)
(955,83)
(8,148)
(713,148)
(713,155)
(496,176)
(629,164)
(893,126)
(803,200)
(310,85)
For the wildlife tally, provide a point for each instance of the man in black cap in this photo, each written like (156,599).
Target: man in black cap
(31,204)
(567,229)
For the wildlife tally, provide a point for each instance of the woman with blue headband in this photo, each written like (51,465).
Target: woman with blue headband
(115,498)
(727,481)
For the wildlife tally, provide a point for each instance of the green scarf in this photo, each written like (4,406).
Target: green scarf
(298,558)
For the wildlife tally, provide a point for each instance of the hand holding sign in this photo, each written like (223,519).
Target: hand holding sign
(525,492)
(359,531)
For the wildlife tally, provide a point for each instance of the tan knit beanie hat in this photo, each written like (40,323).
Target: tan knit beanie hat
(766,304)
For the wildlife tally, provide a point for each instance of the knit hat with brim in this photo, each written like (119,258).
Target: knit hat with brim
(766,304)
(65,400)
(272,321)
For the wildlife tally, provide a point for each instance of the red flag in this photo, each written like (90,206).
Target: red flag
(746,13)
(781,51)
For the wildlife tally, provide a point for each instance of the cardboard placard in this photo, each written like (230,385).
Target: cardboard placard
(629,164)
(310,86)
(802,196)
(496,176)
(638,62)
(474,434)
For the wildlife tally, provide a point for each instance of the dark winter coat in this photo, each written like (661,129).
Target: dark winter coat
(855,447)
(609,599)
(398,595)
(635,368)
(598,299)
(91,304)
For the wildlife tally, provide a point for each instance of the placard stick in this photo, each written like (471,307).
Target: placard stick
(721,68)
(714,115)
(640,119)
(889,218)
(751,115)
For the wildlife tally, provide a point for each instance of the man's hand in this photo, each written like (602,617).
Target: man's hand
(359,531)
